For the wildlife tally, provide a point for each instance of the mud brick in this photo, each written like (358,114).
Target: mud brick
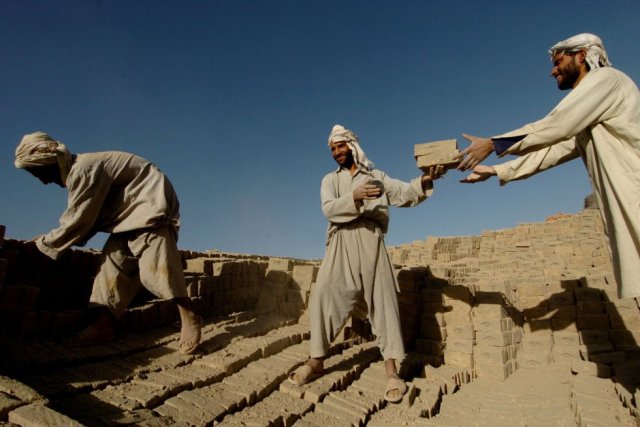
(564,312)
(588,294)
(527,290)
(460,330)
(303,276)
(534,359)
(433,332)
(565,353)
(593,321)
(437,153)
(283,264)
(608,358)
(456,358)
(537,342)
(627,322)
(431,295)
(624,307)
(494,338)
(560,324)
(589,307)
(538,312)
(457,293)
(488,311)
(432,319)
(406,280)
(561,299)
(488,354)
(40,415)
(584,367)
(566,338)
(200,265)
(461,345)
(596,336)
(538,327)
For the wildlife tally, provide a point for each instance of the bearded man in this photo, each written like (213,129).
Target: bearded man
(599,121)
(129,197)
(356,276)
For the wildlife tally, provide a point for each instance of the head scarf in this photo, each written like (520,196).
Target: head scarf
(590,43)
(339,134)
(39,149)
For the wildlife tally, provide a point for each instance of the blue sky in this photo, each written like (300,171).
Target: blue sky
(234,100)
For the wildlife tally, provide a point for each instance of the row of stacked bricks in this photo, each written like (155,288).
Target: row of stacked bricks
(535,294)
(40,297)
(220,286)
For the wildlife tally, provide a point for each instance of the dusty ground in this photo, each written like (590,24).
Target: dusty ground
(239,378)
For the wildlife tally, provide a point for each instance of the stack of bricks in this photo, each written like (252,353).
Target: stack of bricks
(40,297)
(287,286)
(539,293)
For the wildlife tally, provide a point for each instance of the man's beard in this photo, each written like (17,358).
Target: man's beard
(569,77)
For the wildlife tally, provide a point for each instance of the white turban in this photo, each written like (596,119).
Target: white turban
(591,44)
(339,134)
(39,149)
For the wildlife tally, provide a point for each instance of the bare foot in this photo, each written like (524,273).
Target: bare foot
(190,332)
(101,331)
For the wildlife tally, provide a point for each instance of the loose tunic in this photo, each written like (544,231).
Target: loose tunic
(599,120)
(356,275)
(131,198)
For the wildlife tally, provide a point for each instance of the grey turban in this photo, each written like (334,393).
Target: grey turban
(590,43)
(339,134)
(39,149)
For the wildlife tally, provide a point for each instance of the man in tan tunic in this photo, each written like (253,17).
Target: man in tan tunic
(599,121)
(129,197)
(356,276)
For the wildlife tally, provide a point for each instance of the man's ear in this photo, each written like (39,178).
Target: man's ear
(582,56)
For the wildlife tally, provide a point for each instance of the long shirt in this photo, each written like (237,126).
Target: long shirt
(112,192)
(599,121)
(338,206)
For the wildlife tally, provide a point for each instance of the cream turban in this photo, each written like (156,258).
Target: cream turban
(596,55)
(39,149)
(339,133)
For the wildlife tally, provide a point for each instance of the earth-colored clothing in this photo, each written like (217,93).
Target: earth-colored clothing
(356,276)
(599,120)
(113,192)
(129,197)
(144,257)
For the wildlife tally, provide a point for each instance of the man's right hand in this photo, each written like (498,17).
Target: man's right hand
(366,192)
(479,150)
(480,173)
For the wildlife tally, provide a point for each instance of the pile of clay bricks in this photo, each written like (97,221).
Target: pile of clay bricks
(40,297)
(518,298)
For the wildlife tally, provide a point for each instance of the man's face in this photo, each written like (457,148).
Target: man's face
(47,174)
(566,69)
(341,154)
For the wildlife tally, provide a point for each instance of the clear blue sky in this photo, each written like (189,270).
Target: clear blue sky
(234,100)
